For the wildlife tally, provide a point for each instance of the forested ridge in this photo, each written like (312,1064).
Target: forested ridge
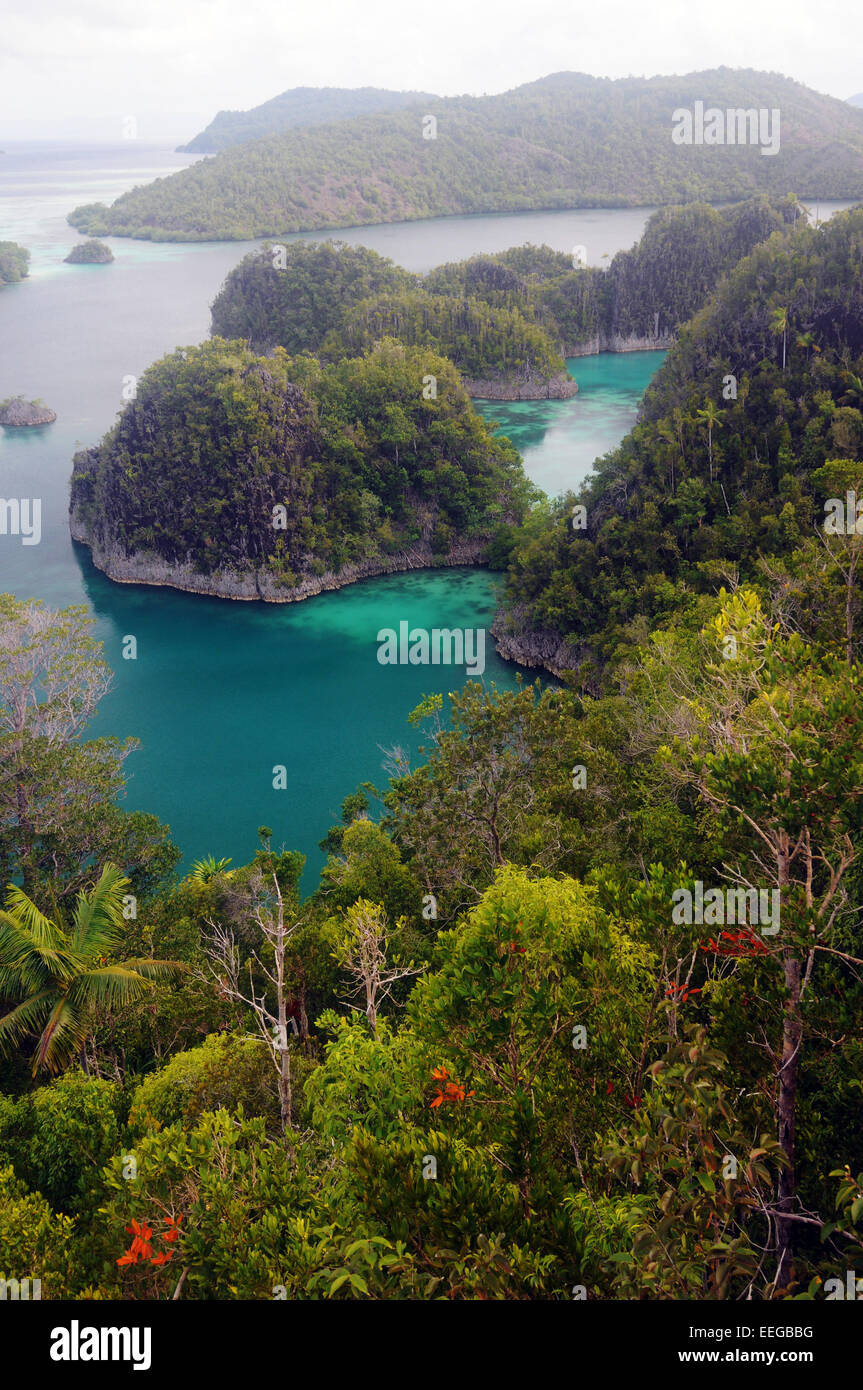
(761,390)
(567,140)
(508,317)
(299,106)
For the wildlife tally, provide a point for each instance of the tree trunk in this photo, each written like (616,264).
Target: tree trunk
(286,1099)
(792,1034)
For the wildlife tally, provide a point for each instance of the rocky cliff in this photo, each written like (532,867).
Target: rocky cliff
(249,585)
(21,414)
(528,388)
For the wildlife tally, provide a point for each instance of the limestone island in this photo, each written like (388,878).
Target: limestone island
(277,477)
(20,414)
(90,252)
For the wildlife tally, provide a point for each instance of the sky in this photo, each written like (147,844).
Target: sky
(80,68)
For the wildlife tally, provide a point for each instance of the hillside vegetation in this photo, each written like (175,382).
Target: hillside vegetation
(300,106)
(506,321)
(763,387)
(283,470)
(14,262)
(568,140)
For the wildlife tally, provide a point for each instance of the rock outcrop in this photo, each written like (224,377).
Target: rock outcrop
(528,388)
(542,648)
(21,414)
(249,585)
(613,342)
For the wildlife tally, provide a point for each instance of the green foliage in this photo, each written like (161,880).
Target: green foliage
(235,1196)
(294,296)
(90,252)
(35,1243)
(363,466)
(723,466)
(14,262)
(222,1073)
(534,147)
(60,1137)
(57,790)
(53,971)
(299,106)
(706,1173)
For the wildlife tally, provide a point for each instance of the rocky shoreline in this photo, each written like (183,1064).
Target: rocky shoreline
(19,413)
(262,585)
(556,388)
(613,342)
(542,649)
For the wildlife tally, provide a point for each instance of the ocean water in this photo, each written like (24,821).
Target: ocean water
(222,693)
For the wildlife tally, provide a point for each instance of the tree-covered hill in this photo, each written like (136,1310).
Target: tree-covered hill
(763,387)
(14,262)
(91,252)
(294,296)
(276,477)
(505,320)
(488,345)
(568,140)
(299,106)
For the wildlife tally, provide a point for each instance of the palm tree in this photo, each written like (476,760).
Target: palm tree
(779,324)
(204,870)
(710,416)
(853,390)
(56,971)
(807,340)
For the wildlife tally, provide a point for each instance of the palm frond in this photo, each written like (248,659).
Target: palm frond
(34,964)
(98,914)
(110,984)
(25,1020)
(61,1038)
(43,931)
(157,969)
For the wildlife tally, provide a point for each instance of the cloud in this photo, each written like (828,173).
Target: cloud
(58,63)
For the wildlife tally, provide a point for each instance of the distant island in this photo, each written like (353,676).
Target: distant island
(14,262)
(507,321)
(90,253)
(566,141)
(300,106)
(19,413)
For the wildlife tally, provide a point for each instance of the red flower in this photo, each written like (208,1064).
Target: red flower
(450,1090)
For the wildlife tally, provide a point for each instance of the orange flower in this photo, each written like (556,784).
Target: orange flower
(451,1090)
(162,1258)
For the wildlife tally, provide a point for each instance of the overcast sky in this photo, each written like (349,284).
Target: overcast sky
(66,65)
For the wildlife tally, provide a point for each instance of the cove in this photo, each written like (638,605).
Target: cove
(221,693)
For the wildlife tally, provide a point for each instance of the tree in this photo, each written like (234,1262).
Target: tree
(272,1018)
(57,790)
(710,416)
(56,970)
(774,746)
(779,325)
(361,948)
